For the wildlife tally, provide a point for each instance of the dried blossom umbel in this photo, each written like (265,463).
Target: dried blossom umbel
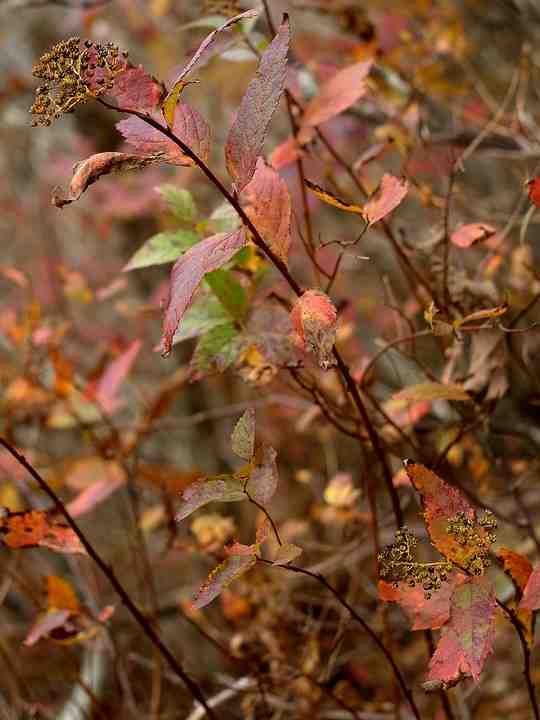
(73,71)
(397,563)
(474,531)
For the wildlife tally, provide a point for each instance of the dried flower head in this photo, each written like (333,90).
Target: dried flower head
(474,531)
(73,71)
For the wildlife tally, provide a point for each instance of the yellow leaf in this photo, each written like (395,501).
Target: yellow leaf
(330,199)
(432,391)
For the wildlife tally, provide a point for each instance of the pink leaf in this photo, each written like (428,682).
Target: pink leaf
(45,624)
(106,393)
(286,153)
(188,125)
(221,577)
(314,318)
(390,194)
(91,169)
(531,594)
(424,614)
(336,95)
(269,208)
(187,273)
(263,480)
(471,234)
(96,493)
(467,640)
(210,46)
(248,131)
(134,89)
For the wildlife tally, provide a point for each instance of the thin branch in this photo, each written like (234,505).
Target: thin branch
(138,616)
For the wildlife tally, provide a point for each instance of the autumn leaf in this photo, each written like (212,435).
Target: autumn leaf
(287,553)
(336,95)
(424,613)
(98,491)
(517,567)
(188,126)
(263,478)
(187,273)
(105,393)
(534,190)
(222,576)
(33,528)
(531,593)
(268,205)
(248,131)
(224,488)
(432,391)
(330,199)
(469,235)
(391,192)
(90,170)
(314,319)
(243,435)
(467,639)
(134,89)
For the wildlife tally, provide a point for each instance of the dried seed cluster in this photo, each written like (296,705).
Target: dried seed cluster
(73,71)
(397,563)
(474,531)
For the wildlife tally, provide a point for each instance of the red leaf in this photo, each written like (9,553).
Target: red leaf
(314,318)
(248,131)
(467,640)
(531,594)
(517,567)
(471,234)
(134,89)
(269,208)
(534,190)
(91,169)
(390,194)
(336,95)
(108,385)
(209,45)
(423,614)
(286,153)
(45,624)
(33,528)
(189,126)
(187,273)
(221,577)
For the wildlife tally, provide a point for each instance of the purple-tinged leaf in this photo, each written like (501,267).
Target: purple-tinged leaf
(221,577)
(188,272)
(531,594)
(247,134)
(201,492)
(263,479)
(268,205)
(243,435)
(188,126)
(90,170)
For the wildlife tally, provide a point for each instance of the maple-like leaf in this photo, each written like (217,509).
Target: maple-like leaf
(391,192)
(188,272)
(243,435)
(263,479)
(443,505)
(423,613)
(90,170)
(468,235)
(314,319)
(188,125)
(34,528)
(112,378)
(268,205)
(135,89)
(336,95)
(248,131)
(467,639)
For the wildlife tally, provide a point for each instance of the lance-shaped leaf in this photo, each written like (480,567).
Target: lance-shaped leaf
(519,570)
(231,568)
(34,528)
(469,235)
(243,435)
(531,594)
(263,479)
(336,95)
(452,523)
(134,89)
(162,248)
(222,488)
(314,319)
(268,205)
(112,378)
(391,192)
(188,125)
(113,477)
(187,273)
(247,134)
(180,202)
(467,639)
(330,199)
(432,391)
(423,613)
(90,170)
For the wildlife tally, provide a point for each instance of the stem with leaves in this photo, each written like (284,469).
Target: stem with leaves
(137,615)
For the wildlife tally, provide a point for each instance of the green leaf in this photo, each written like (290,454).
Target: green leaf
(205,314)
(228,291)
(180,202)
(224,218)
(162,248)
(217,349)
